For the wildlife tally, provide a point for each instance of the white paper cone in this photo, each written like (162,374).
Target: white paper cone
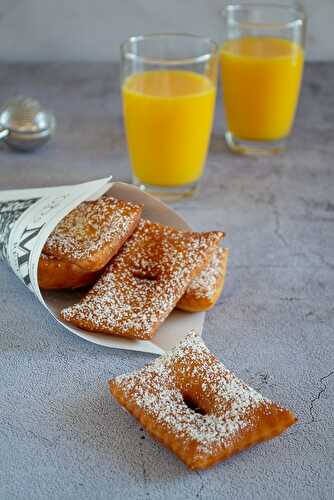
(28,216)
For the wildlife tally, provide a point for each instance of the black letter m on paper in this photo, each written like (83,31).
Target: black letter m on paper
(27,236)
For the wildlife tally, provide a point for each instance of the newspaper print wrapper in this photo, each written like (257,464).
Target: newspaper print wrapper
(28,216)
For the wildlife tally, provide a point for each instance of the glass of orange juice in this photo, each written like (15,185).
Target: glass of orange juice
(168,92)
(262,61)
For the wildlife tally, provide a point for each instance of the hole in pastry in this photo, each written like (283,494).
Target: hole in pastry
(193,405)
(145,275)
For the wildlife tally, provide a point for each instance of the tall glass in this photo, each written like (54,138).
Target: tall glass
(168,90)
(262,61)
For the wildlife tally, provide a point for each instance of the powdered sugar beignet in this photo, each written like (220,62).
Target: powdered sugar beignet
(145,280)
(192,404)
(91,234)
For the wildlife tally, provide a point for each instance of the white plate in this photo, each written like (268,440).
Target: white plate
(177,324)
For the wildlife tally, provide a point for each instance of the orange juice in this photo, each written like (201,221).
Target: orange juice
(261,79)
(168,119)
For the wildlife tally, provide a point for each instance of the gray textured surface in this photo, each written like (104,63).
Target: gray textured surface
(61,434)
(82,30)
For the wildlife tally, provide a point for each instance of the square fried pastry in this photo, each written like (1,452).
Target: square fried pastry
(145,280)
(192,404)
(55,274)
(205,289)
(91,234)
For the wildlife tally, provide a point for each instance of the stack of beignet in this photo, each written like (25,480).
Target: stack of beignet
(140,270)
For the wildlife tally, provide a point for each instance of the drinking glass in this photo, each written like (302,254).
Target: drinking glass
(168,92)
(262,60)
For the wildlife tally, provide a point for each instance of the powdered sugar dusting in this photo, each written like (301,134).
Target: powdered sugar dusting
(204,286)
(160,388)
(90,227)
(144,281)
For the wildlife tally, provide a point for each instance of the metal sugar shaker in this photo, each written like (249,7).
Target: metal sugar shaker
(24,124)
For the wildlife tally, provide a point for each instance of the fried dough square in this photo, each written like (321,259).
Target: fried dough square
(91,234)
(145,280)
(196,407)
(205,289)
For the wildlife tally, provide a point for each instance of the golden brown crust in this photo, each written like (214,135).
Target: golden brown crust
(142,284)
(194,406)
(54,274)
(91,234)
(206,288)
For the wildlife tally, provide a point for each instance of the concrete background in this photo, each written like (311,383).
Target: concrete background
(61,434)
(86,30)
